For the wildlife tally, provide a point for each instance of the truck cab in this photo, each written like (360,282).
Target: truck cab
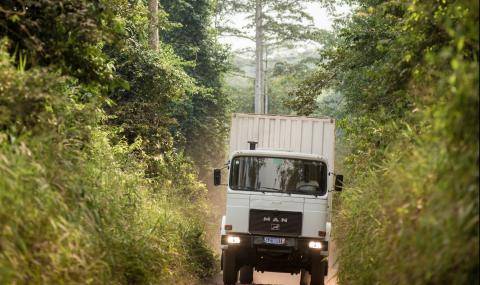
(278,207)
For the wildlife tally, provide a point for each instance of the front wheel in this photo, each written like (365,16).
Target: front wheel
(246,274)
(319,267)
(230,272)
(304,277)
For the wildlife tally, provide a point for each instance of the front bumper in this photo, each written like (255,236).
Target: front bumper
(290,257)
(291,244)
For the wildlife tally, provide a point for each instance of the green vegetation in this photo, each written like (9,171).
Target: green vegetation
(95,185)
(284,71)
(408,75)
(239,84)
(287,71)
(103,140)
(203,114)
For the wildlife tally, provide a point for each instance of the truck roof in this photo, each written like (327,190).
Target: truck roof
(284,116)
(291,133)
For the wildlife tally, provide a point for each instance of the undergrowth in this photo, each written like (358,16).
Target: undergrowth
(410,211)
(76,208)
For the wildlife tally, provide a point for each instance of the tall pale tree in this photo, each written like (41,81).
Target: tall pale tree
(270,23)
(153,24)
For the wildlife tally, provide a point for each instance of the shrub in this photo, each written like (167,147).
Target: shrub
(77,209)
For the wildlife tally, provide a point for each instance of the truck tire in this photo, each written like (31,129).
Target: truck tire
(319,266)
(304,277)
(246,274)
(230,272)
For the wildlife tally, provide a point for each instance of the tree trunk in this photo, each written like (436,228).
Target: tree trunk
(259,81)
(153,24)
(265,82)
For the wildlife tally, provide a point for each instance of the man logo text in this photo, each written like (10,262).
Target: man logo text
(275,220)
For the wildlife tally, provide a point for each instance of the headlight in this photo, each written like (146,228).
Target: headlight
(233,239)
(315,245)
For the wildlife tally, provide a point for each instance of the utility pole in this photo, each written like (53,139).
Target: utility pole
(153,24)
(259,74)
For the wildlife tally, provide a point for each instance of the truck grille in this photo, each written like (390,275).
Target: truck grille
(275,222)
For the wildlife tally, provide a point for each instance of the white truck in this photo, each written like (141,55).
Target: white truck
(280,175)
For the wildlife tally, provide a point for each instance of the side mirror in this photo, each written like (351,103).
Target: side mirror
(338,183)
(217,176)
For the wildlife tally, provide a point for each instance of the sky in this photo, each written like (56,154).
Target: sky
(321,16)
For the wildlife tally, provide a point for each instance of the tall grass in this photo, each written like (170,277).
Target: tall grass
(77,209)
(412,221)
(410,214)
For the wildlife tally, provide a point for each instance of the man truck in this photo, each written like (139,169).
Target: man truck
(280,178)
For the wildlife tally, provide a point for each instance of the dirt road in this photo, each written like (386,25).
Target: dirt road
(271,278)
(284,279)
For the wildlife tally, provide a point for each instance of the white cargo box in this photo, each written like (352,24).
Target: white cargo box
(285,133)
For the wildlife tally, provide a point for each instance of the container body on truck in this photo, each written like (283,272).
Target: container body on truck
(280,179)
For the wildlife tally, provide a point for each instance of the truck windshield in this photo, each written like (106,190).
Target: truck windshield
(272,174)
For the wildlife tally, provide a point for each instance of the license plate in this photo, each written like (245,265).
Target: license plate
(274,240)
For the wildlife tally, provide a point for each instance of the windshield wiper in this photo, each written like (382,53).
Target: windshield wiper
(260,189)
(248,188)
(269,189)
(308,192)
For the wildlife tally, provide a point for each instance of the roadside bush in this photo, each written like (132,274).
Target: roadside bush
(77,209)
(408,75)
(410,212)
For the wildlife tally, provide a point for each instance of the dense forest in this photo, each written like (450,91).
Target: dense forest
(97,131)
(407,73)
(105,142)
